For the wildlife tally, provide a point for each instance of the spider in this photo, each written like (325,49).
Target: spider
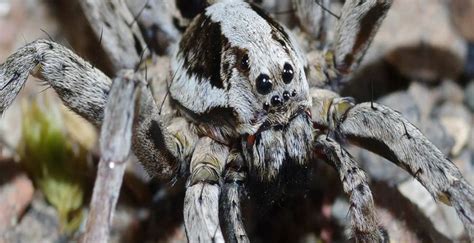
(245,102)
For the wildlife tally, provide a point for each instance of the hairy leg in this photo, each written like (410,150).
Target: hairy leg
(365,226)
(357,26)
(384,131)
(313,16)
(232,189)
(82,88)
(201,202)
(157,21)
(158,144)
(117,30)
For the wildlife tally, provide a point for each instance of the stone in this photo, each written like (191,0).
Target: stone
(403,102)
(471,143)
(381,169)
(39,224)
(425,98)
(465,162)
(469,67)
(450,109)
(16,194)
(459,129)
(10,131)
(5,8)
(451,91)
(457,121)
(462,14)
(438,135)
(397,230)
(469,95)
(418,39)
(444,218)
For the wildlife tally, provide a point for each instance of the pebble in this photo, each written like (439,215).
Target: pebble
(465,163)
(444,218)
(5,8)
(39,224)
(451,91)
(457,121)
(469,67)
(381,169)
(16,193)
(462,13)
(397,230)
(458,129)
(451,109)
(429,50)
(469,95)
(425,98)
(438,135)
(403,102)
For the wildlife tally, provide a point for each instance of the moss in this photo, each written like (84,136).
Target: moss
(55,162)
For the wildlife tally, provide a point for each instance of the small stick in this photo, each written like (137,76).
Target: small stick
(115,144)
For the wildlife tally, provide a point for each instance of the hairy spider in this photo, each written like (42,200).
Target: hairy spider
(245,103)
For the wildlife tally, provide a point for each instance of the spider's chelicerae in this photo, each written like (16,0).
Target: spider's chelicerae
(245,104)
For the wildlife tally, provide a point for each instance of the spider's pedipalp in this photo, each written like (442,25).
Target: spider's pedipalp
(162,145)
(386,132)
(201,202)
(365,226)
(230,213)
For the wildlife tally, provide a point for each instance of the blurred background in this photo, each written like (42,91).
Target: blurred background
(421,63)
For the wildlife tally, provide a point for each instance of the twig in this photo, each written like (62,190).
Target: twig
(115,143)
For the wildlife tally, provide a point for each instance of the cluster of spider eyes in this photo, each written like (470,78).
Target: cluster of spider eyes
(264,84)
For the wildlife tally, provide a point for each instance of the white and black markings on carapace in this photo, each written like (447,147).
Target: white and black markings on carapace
(235,57)
(240,72)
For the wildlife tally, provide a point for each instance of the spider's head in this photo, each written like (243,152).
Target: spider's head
(240,70)
(236,60)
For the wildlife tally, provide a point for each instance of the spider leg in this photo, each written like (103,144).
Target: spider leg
(232,190)
(313,16)
(83,88)
(356,27)
(155,18)
(365,226)
(201,202)
(384,131)
(358,23)
(112,19)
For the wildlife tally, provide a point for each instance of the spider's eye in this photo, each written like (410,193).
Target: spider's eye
(288,73)
(277,101)
(264,84)
(286,95)
(244,63)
